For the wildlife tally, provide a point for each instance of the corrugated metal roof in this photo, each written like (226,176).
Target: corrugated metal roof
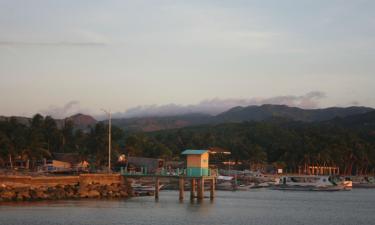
(194,152)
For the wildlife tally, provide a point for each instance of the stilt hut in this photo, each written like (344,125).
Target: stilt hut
(196,163)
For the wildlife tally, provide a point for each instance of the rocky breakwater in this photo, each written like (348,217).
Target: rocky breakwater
(55,188)
(19,192)
(97,190)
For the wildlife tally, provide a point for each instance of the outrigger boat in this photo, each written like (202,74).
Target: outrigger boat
(225,183)
(312,183)
(144,189)
(363,182)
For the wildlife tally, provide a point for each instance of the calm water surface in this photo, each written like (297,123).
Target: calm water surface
(258,207)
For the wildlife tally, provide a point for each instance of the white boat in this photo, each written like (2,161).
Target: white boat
(144,188)
(224,178)
(225,186)
(244,187)
(263,185)
(363,182)
(312,183)
(225,183)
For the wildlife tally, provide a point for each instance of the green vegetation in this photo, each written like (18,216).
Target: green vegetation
(348,143)
(43,137)
(282,142)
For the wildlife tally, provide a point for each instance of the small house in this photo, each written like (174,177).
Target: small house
(56,165)
(74,159)
(196,163)
(151,165)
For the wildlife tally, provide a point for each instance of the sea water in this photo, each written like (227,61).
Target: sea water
(258,207)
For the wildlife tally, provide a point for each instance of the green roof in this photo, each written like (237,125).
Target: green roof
(194,152)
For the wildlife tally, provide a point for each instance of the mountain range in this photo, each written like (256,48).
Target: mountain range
(240,114)
(234,115)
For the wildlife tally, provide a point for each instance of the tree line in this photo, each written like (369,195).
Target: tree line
(279,141)
(42,137)
(287,143)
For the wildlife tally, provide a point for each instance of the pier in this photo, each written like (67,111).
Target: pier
(196,173)
(196,183)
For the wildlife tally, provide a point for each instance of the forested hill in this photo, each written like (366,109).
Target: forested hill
(364,121)
(259,113)
(345,142)
(149,124)
(238,114)
(348,142)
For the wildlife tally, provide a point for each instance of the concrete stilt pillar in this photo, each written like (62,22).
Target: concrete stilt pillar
(198,188)
(157,184)
(201,189)
(212,189)
(181,185)
(192,189)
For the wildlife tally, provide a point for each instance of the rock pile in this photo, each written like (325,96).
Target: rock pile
(97,190)
(94,190)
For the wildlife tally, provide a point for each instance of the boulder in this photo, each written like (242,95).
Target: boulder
(59,193)
(24,195)
(38,194)
(93,194)
(8,195)
(83,193)
(124,194)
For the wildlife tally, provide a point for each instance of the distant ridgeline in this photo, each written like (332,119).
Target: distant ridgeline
(287,136)
(238,114)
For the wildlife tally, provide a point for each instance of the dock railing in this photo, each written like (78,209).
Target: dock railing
(162,172)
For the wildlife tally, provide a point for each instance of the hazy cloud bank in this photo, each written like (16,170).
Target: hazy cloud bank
(60,112)
(211,106)
(217,105)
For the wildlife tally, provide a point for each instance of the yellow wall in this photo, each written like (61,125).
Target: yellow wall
(61,164)
(204,160)
(200,161)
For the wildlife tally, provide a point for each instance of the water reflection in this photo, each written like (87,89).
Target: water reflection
(254,207)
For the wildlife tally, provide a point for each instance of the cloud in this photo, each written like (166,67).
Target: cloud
(307,101)
(354,103)
(210,106)
(217,105)
(56,44)
(60,112)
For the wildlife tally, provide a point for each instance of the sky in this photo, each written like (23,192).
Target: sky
(172,57)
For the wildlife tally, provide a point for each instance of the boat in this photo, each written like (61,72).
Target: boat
(312,183)
(144,189)
(225,183)
(244,187)
(364,182)
(229,183)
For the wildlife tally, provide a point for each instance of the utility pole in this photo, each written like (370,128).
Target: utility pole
(109,137)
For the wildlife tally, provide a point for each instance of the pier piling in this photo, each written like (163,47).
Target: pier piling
(192,189)
(201,189)
(157,185)
(181,187)
(212,189)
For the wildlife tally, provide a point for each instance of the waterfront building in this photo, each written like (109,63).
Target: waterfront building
(196,163)
(150,165)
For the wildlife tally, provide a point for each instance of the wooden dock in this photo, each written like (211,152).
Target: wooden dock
(197,188)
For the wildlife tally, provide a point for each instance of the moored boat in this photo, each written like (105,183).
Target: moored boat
(225,183)
(364,182)
(312,183)
(144,189)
